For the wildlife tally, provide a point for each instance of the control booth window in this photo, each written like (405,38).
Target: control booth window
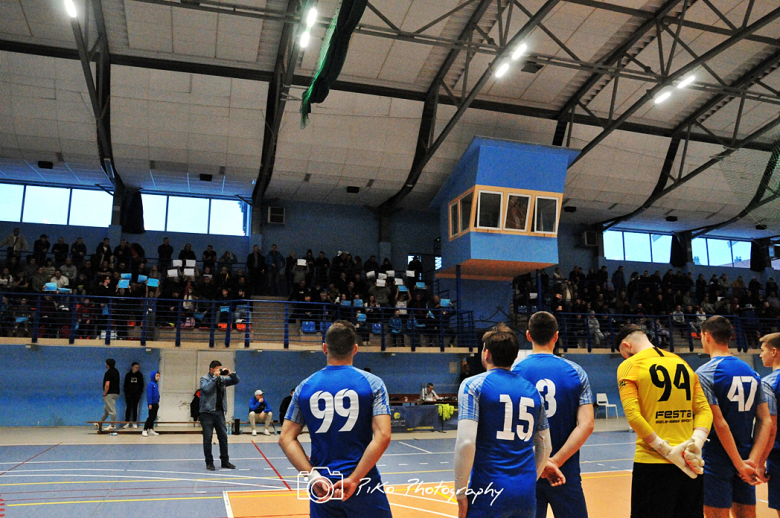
(517,212)
(546,220)
(465,211)
(489,210)
(454,219)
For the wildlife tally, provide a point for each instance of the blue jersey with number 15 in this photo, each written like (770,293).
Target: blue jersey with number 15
(509,411)
(564,387)
(338,404)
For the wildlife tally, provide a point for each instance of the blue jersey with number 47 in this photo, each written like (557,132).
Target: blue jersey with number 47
(732,385)
(564,387)
(509,411)
(338,404)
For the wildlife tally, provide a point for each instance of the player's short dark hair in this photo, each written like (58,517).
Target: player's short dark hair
(625,332)
(341,339)
(111,362)
(772,340)
(133,364)
(719,329)
(215,363)
(542,327)
(503,345)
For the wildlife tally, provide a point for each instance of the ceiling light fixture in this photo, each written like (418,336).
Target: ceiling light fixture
(305,39)
(661,97)
(687,81)
(71,8)
(502,70)
(311,18)
(519,51)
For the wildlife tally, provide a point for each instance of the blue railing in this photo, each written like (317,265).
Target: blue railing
(581,330)
(67,316)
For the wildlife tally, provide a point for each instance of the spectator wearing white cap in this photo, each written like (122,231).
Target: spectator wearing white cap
(260,408)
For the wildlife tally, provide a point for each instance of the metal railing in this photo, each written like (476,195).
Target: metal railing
(581,330)
(224,322)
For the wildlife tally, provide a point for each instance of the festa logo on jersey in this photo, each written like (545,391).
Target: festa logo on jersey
(673,414)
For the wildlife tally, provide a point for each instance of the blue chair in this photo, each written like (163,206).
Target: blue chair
(307,326)
(376,329)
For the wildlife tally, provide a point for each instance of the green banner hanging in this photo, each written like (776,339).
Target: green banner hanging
(333,54)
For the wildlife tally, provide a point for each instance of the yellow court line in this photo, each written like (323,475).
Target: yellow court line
(624,474)
(116,501)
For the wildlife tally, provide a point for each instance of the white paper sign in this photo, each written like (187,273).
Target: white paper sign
(189,272)
(391,273)
(399,282)
(177,262)
(410,273)
(190,263)
(382,276)
(371,274)
(381,283)
(301,262)
(173,272)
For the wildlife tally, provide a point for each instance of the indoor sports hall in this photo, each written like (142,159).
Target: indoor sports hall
(184,182)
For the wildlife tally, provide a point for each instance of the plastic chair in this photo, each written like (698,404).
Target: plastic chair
(603,402)
(308,327)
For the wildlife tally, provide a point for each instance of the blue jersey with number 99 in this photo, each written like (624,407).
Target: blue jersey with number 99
(338,405)
(509,411)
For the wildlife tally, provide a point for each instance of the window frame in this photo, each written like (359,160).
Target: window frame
(468,227)
(528,210)
(454,230)
(500,209)
(557,215)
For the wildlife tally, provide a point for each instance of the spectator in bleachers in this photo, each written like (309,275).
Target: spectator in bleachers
(15,243)
(13,265)
(322,264)
(242,284)
(6,280)
(21,283)
(416,265)
(396,325)
(738,288)
(68,269)
(60,250)
(207,289)
(299,274)
(227,260)
(771,286)
(773,300)
(59,279)
(39,280)
(371,265)
(81,285)
(48,267)
(164,254)
(341,282)
(103,253)
(289,265)
(187,253)
(224,278)
(209,258)
(386,265)
(41,248)
(123,253)
(78,252)
(255,263)
(31,268)
(357,267)
(619,280)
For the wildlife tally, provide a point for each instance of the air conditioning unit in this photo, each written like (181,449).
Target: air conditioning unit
(590,238)
(276,215)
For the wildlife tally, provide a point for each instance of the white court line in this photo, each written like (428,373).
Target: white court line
(159,479)
(421,510)
(228,509)
(416,448)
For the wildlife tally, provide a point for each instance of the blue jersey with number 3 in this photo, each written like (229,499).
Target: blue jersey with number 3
(731,384)
(338,404)
(564,387)
(509,411)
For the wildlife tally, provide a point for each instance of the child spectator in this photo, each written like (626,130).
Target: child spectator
(397,328)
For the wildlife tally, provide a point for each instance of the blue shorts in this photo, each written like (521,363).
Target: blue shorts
(500,513)
(773,470)
(723,487)
(368,504)
(567,501)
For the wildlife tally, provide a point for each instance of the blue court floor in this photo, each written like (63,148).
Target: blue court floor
(170,480)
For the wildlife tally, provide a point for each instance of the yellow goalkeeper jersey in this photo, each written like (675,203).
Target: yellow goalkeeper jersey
(661,393)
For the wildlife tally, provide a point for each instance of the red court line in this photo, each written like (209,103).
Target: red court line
(28,460)
(272,466)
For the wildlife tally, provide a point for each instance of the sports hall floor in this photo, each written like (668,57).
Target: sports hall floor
(73,472)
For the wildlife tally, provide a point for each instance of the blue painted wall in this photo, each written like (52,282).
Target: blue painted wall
(505,247)
(277,372)
(490,300)
(62,386)
(523,166)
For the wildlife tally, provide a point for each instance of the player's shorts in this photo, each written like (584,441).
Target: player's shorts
(367,505)
(663,490)
(723,487)
(773,470)
(500,513)
(567,501)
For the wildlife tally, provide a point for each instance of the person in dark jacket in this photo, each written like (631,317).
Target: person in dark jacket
(110,392)
(260,408)
(153,400)
(213,405)
(283,407)
(134,388)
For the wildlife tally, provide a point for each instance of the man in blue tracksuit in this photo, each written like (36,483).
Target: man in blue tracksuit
(153,400)
(260,408)
(213,405)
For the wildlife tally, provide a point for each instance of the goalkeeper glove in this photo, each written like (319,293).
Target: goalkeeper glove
(674,454)
(692,453)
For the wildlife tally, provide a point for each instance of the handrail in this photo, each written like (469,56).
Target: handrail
(59,315)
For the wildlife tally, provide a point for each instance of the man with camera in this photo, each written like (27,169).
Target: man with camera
(213,406)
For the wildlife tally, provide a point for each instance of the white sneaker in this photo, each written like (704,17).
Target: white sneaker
(144,434)
(266,432)
(110,428)
(254,433)
(152,432)
(126,426)
(135,425)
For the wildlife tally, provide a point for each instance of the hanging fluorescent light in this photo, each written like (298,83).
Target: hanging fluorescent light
(305,39)
(519,51)
(502,70)
(661,97)
(311,17)
(70,7)
(687,81)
